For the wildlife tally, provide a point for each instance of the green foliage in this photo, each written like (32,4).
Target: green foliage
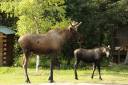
(99,19)
(45,61)
(43,15)
(35,14)
(18,61)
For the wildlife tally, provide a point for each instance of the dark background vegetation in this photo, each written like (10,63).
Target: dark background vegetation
(99,19)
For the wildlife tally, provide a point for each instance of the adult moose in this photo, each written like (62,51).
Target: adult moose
(94,56)
(48,43)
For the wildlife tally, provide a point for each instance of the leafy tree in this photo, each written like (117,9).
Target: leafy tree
(99,18)
(36,15)
(36,12)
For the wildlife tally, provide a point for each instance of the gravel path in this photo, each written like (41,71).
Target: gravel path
(71,84)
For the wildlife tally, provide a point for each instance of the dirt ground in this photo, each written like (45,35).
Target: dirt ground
(71,84)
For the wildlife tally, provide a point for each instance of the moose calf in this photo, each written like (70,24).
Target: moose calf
(91,56)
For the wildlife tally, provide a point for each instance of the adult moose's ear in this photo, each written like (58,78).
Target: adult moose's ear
(103,45)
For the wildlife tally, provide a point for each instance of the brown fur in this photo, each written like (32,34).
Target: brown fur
(48,43)
(91,56)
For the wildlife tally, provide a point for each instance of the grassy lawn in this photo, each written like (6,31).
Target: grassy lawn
(115,74)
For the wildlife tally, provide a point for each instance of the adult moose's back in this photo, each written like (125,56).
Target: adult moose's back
(48,43)
(91,56)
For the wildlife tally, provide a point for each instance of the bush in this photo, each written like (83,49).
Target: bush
(18,61)
(44,62)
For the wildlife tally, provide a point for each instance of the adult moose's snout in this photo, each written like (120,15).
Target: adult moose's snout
(81,40)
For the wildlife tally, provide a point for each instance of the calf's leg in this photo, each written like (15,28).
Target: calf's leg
(98,65)
(94,67)
(53,57)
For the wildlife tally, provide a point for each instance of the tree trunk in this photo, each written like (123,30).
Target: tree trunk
(126,59)
(37,62)
(70,53)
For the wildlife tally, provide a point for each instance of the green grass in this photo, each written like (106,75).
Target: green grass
(12,75)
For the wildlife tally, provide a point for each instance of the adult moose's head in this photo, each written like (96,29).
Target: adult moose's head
(74,33)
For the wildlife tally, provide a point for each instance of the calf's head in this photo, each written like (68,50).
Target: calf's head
(74,33)
(107,50)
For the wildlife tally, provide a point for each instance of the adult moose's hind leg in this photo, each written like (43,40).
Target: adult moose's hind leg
(94,68)
(25,62)
(53,57)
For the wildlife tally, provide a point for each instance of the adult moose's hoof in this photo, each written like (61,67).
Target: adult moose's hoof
(27,81)
(100,78)
(76,78)
(51,81)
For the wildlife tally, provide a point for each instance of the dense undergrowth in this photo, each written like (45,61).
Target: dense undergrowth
(45,62)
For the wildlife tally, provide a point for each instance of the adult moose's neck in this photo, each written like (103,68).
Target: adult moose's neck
(65,34)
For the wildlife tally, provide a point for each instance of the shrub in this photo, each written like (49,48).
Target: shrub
(18,61)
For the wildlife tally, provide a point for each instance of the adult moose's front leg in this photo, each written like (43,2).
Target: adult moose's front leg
(53,57)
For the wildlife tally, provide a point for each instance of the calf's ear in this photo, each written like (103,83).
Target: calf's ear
(109,46)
